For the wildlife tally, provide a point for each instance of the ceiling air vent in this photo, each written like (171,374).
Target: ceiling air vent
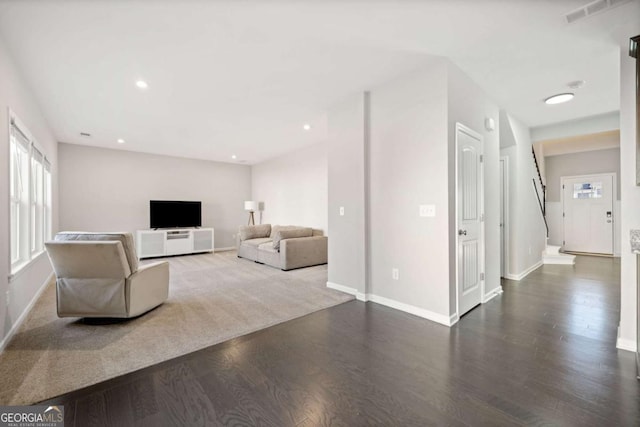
(85,134)
(592,8)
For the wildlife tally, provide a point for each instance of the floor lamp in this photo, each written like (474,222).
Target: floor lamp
(251,206)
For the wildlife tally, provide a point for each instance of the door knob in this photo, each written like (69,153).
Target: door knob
(462,232)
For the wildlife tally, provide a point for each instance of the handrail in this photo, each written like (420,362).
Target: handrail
(544,187)
(542,203)
(544,217)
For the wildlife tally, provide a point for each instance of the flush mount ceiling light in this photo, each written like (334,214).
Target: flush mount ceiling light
(559,98)
(306,126)
(120,141)
(233,156)
(141,84)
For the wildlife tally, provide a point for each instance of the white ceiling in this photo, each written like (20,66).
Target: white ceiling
(243,77)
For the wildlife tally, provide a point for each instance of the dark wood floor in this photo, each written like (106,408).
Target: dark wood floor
(543,353)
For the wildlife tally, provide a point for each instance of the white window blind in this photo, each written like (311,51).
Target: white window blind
(30,197)
(19,194)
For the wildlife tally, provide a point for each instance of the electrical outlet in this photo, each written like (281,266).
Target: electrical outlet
(529,250)
(341,210)
(395,273)
(8,294)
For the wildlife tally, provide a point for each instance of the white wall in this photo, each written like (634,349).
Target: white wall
(346,150)
(109,190)
(470,106)
(526,225)
(629,195)
(293,188)
(387,160)
(583,163)
(583,126)
(15,94)
(409,167)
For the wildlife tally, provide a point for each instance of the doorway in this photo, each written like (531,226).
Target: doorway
(587,209)
(470,221)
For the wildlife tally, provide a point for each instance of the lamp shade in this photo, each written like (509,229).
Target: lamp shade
(250,205)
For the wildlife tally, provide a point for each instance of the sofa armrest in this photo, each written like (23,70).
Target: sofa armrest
(147,288)
(303,252)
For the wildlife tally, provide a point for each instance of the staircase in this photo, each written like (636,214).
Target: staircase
(551,254)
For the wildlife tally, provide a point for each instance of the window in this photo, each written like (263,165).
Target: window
(587,190)
(30,196)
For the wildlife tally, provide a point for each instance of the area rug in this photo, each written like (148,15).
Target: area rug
(212,298)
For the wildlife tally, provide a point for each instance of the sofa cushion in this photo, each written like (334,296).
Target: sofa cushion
(268,246)
(277,228)
(248,232)
(256,242)
(125,238)
(290,234)
(268,255)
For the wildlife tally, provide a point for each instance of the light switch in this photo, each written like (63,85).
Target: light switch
(427,210)
(341,210)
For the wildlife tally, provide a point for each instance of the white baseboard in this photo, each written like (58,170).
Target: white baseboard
(492,294)
(524,273)
(342,288)
(348,290)
(24,313)
(417,311)
(229,248)
(407,308)
(625,344)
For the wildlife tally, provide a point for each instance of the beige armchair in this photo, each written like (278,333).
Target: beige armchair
(97,275)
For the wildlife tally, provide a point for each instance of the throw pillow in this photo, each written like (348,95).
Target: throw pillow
(254,231)
(290,234)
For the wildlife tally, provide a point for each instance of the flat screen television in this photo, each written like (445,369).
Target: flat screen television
(175,214)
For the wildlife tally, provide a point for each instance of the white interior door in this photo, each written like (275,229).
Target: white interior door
(588,213)
(470,209)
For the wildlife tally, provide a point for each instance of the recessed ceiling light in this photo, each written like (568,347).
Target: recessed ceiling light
(120,141)
(306,126)
(559,98)
(577,84)
(233,156)
(141,84)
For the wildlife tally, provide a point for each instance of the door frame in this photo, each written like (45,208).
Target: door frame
(614,197)
(505,215)
(462,128)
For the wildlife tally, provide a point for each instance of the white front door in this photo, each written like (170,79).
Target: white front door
(470,260)
(588,213)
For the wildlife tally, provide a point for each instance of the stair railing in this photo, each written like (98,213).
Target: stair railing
(542,202)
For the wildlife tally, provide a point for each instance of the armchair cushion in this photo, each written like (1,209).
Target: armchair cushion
(125,238)
(94,276)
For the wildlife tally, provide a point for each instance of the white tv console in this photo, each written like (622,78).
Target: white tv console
(173,241)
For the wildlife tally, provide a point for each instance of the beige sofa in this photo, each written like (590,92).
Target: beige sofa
(285,247)
(97,275)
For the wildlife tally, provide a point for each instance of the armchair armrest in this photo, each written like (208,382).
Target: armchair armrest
(147,288)
(303,252)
